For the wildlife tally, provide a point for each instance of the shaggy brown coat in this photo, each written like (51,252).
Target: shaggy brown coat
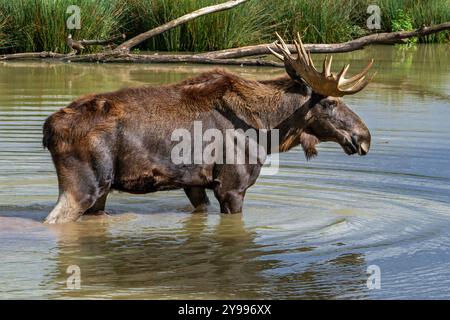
(121,140)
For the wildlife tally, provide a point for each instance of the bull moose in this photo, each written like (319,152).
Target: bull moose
(121,140)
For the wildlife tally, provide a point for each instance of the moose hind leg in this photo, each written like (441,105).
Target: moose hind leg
(68,208)
(198,198)
(79,191)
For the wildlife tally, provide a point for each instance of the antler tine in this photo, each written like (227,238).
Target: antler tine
(311,63)
(285,47)
(276,54)
(356,88)
(341,74)
(325,83)
(361,84)
(357,76)
(302,47)
(326,71)
(286,53)
(301,57)
(355,84)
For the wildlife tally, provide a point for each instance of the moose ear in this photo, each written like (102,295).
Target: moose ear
(296,77)
(292,73)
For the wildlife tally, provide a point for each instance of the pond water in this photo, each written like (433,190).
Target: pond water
(311,231)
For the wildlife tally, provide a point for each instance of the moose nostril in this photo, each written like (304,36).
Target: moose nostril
(361,145)
(364,148)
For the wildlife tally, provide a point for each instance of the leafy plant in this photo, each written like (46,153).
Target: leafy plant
(403,22)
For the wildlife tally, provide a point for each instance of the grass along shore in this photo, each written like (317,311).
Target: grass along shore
(39,25)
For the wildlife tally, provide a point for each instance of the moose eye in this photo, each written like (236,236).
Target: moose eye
(328,104)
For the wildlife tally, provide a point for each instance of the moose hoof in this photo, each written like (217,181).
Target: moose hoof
(203,208)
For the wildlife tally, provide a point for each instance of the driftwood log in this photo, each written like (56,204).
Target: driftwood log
(231,56)
(78,45)
(356,44)
(172,58)
(102,42)
(32,55)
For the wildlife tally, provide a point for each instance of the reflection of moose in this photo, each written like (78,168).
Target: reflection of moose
(194,260)
(121,140)
(189,261)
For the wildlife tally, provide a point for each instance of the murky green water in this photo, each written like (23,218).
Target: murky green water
(309,232)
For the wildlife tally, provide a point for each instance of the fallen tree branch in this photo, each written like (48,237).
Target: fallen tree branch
(102,42)
(356,44)
(231,56)
(111,57)
(142,58)
(78,45)
(32,55)
(126,46)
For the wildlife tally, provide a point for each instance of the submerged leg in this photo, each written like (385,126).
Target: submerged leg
(79,191)
(231,201)
(231,183)
(198,198)
(69,208)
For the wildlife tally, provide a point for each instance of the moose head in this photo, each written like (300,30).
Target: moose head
(330,118)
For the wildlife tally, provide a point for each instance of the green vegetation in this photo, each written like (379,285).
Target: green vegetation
(418,12)
(246,24)
(403,22)
(36,25)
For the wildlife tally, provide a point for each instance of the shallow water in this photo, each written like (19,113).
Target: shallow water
(309,232)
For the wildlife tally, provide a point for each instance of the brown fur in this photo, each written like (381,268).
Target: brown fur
(96,113)
(122,140)
(308,143)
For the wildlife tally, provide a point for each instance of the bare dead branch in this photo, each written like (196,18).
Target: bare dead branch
(142,58)
(32,55)
(126,46)
(231,56)
(102,42)
(356,44)
(78,45)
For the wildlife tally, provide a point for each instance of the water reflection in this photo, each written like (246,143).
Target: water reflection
(190,260)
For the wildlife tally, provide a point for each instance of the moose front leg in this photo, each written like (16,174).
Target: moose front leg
(231,183)
(230,201)
(198,198)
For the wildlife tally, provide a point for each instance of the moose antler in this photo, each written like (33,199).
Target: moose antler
(325,82)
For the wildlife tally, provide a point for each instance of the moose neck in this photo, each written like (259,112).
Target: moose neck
(291,116)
